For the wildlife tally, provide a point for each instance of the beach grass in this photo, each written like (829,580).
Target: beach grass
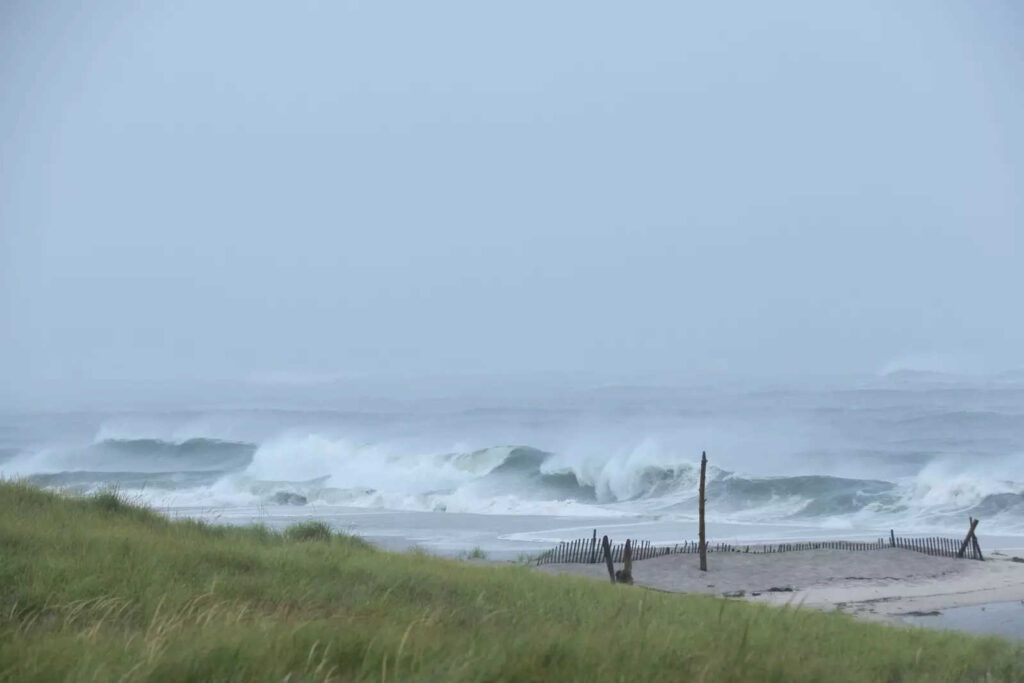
(99,588)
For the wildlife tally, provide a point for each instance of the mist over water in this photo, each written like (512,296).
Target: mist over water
(915,451)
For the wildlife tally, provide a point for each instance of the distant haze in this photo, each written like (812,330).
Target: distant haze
(301,192)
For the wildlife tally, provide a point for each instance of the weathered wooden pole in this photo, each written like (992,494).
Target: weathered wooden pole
(974,540)
(593,548)
(892,538)
(607,548)
(625,575)
(700,512)
(967,540)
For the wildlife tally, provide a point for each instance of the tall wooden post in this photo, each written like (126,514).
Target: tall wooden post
(606,546)
(703,540)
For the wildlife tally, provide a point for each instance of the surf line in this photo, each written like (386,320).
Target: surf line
(533,535)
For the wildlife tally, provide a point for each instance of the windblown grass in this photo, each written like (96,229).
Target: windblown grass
(93,590)
(308,531)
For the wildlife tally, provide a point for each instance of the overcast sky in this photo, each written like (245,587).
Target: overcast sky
(295,189)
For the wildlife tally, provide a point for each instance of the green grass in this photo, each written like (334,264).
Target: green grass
(100,589)
(476,554)
(309,531)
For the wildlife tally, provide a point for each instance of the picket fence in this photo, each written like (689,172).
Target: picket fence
(588,550)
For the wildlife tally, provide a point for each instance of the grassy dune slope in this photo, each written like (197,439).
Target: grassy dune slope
(94,589)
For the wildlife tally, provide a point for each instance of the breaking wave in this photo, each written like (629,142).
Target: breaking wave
(316,469)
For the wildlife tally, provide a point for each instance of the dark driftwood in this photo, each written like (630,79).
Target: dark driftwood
(967,540)
(606,546)
(700,510)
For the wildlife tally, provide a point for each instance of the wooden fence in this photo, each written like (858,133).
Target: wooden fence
(943,547)
(588,550)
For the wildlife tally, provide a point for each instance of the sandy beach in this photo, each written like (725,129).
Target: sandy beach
(893,585)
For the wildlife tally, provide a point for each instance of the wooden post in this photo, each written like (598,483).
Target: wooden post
(625,575)
(593,548)
(606,546)
(970,535)
(892,538)
(703,540)
(974,541)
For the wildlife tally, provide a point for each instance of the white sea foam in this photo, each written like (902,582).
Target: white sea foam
(881,455)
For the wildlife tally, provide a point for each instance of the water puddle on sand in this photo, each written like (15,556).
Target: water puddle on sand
(1004,619)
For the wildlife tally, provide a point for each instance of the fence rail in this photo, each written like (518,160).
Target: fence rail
(588,551)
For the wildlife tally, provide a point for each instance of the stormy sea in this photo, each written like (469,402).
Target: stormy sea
(512,472)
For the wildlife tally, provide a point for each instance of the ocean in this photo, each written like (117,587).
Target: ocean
(512,473)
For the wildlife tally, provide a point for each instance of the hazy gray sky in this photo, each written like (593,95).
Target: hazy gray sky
(277,189)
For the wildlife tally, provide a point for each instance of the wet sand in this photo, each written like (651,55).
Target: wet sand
(1004,619)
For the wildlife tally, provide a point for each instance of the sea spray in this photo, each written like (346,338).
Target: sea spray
(890,454)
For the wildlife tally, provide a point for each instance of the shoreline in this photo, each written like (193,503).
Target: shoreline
(891,585)
(509,536)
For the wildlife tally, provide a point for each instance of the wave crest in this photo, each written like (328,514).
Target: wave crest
(295,469)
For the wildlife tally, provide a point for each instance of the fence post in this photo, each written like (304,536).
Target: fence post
(703,540)
(625,575)
(606,546)
(892,538)
(967,540)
